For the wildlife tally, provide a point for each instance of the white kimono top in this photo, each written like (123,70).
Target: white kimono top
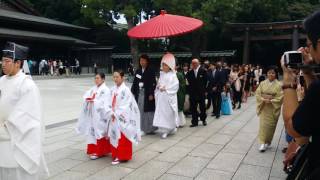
(127,116)
(21,130)
(95,114)
(166,114)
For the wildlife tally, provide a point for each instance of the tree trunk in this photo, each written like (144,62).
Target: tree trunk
(204,41)
(134,49)
(196,43)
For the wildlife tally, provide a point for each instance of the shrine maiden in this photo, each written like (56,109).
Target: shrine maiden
(21,130)
(166,114)
(94,118)
(124,126)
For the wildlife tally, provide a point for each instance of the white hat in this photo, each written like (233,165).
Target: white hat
(169,60)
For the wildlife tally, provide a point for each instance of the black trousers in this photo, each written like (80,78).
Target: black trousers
(237,97)
(216,103)
(209,97)
(194,103)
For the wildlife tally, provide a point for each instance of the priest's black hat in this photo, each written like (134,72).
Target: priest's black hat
(15,51)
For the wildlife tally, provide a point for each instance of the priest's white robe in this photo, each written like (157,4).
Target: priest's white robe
(21,130)
(94,118)
(166,113)
(127,116)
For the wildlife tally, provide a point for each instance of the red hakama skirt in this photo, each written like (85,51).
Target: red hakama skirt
(102,148)
(124,150)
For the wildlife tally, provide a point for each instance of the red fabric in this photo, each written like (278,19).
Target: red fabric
(91,98)
(102,148)
(124,150)
(114,101)
(113,104)
(165,25)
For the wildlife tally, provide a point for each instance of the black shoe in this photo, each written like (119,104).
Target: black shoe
(204,123)
(151,133)
(193,125)
(239,107)
(217,117)
(213,114)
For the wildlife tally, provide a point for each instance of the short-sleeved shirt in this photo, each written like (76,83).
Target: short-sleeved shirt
(306,121)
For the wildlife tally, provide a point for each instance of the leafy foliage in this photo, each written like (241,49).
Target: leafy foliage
(214,13)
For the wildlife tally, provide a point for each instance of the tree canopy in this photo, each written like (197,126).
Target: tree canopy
(214,13)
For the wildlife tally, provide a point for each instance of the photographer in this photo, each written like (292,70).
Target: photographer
(301,119)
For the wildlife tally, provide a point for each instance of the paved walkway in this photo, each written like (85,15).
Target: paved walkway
(225,149)
(62,98)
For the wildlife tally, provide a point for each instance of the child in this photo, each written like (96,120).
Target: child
(124,126)
(166,114)
(226,106)
(94,120)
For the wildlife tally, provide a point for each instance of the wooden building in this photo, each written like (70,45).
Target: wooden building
(48,38)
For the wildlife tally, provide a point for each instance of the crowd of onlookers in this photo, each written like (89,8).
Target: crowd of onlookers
(224,81)
(53,67)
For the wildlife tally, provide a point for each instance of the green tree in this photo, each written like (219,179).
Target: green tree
(214,14)
(105,11)
(67,11)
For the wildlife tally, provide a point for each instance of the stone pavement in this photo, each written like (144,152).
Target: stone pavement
(224,149)
(62,98)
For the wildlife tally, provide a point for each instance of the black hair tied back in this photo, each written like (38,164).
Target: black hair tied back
(102,75)
(121,72)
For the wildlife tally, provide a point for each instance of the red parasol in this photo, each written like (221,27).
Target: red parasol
(165,25)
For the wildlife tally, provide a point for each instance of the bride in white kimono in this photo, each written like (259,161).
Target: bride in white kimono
(166,114)
(21,129)
(94,118)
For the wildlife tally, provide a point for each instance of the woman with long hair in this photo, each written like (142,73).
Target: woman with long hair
(247,83)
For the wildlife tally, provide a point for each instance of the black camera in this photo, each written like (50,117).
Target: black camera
(293,59)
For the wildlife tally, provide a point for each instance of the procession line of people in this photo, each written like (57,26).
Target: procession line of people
(155,105)
(113,120)
(110,119)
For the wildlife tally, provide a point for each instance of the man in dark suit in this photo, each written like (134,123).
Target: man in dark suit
(217,79)
(197,80)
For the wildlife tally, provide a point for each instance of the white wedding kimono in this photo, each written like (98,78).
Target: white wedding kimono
(94,118)
(127,116)
(21,130)
(166,114)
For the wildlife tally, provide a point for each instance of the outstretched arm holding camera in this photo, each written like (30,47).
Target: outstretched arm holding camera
(302,119)
(290,99)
